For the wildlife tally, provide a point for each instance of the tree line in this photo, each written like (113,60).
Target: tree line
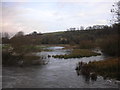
(102,36)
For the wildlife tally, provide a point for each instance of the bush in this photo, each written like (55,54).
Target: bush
(87,44)
(111,45)
(110,67)
(9,59)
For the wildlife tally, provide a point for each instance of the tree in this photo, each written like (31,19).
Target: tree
(89,28)
(81,28)
(98,27)
(0,39)
(20,33)
(34,33)
(116,12)
(5,35)
(18,42)
(5,38)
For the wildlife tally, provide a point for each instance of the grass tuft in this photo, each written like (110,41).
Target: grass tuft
(78,53)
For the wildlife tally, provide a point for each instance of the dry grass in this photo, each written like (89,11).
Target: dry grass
(78,53)
(107,68)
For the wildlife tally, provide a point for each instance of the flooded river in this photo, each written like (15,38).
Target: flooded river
(58,73)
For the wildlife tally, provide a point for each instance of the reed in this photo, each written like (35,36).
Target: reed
(106,68)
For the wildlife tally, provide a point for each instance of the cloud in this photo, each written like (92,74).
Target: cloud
(81,14)
(53,16)
(9,16)
(101,22)
(87,1)
(14,20)
(59,0)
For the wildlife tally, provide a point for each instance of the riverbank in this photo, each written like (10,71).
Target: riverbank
(11,59)
(108,68)
(58,73)
(22,56)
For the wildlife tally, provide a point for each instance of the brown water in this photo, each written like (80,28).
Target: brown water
(58,73)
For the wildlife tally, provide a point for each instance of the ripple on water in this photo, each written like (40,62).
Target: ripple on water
(58,73)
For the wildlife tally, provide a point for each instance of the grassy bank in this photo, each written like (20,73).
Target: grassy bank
(37,48)
(11,59)
(27,48)
(78,53)
(20,55)
(106,68)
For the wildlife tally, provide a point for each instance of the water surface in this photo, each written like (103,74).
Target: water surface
(58,73)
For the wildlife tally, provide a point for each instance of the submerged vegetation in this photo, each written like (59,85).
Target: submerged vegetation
(77,53)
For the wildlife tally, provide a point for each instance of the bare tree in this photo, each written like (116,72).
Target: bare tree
(20,33)
(81,28)
(116,12)
(5,35)
(5,38)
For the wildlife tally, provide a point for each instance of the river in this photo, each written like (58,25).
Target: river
(58,73)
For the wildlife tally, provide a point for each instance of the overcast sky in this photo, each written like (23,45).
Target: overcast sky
(56,15)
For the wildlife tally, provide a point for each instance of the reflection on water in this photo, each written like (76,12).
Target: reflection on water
(88,77)
(58,73)
(82,69)
(55,48)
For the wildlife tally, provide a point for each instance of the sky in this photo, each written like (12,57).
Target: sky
(53,15)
